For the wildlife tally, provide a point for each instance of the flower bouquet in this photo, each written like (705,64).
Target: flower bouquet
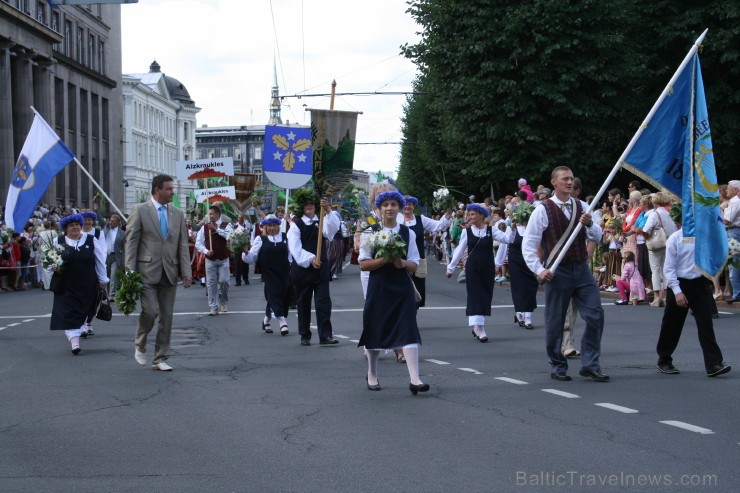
(129,291)
(442,199)
(52,256)
(385,244)
(238,239)
(734,252)
(366,217)
(522,213)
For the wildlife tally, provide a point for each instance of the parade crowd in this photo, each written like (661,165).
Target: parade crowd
(630,244)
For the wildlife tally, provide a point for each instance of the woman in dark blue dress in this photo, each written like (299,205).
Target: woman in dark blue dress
(270,251)
(477,240)
(524,284)
(389,318)
(76,293)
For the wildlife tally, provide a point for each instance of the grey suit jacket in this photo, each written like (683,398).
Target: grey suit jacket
(119,245)
(150,254)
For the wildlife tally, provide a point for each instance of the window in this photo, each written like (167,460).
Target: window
(224,153)
(91,51)
(258,153)
(186,132)
(237,154)
(101,57)
(80,46)
(68,38)
(55,21)
(41,12)
(23,6)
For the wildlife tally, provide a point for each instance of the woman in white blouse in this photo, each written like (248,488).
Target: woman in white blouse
(477,240)
(271,251)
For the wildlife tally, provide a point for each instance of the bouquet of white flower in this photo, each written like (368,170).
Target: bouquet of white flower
(52,255)
(384,243)
(442,199)
(734,252)
(238,238)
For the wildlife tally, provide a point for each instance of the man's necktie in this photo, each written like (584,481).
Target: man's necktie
(567,208)
(163,220)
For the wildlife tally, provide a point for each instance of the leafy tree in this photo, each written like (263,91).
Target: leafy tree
(511,89)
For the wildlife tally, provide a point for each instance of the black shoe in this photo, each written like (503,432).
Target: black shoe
(238,284)
(621,302)
(560,376)
(718,370)
(517,321)
(594,375)
(266,328)
(483,339)
(528,326)
(305,342)
(284,330)
(77,350)
(372,387)
(246,283)
(474,334)
(668,369)
(418,388)
(328,340)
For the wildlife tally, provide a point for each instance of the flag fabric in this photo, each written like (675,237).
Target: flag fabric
(379,178)
(42,157)
(176,200)
(333,137)
(674,153)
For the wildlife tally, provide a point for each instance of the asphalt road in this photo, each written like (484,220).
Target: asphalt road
(248,411)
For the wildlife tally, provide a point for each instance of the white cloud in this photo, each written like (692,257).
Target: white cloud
(222,51)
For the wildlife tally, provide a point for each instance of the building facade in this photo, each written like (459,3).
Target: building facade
(159,124)
(66,63)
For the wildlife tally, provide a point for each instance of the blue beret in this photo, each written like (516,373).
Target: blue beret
(478,208)
(382,197)
(72,218)
(89,214)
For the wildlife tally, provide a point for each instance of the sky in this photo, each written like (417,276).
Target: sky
(223,51)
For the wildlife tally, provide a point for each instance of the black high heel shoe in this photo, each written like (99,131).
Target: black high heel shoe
(266,328)
(474,335)
(517,321)
(372,387)
(284,330)
(418,388)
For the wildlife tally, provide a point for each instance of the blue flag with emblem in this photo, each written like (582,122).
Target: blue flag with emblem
(42,157)
(674,153)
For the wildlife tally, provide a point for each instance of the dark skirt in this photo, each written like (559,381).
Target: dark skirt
(79,294)
(273,260)
(524,284)
(479,275)
(643,262)
(613,266)
(389,318)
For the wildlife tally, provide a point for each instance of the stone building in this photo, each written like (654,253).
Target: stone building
(66,63)
(159,123)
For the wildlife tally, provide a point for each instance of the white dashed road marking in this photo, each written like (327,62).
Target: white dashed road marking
(511,380)
(437,362)
(29,320)
(13,325)
(354,340)
(615,407)
(341,337)
(561,393)
(689,427)
(471,370)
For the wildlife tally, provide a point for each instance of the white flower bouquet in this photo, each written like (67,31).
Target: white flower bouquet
(384,243)
(238,238)
(52,255)
(442,199)
(734,252)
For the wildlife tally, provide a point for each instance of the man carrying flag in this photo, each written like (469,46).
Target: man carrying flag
(42,157)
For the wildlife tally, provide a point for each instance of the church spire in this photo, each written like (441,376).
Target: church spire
(275,118)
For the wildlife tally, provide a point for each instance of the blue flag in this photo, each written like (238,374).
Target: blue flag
(42,157)
(674,153)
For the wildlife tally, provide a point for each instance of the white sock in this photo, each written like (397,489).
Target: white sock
(480,330)
(519,316)
(412,363)
(527,317)
(282,321)
(266,320)
(372,366)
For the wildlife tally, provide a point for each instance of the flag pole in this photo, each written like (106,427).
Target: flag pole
(629,147)
(91,178)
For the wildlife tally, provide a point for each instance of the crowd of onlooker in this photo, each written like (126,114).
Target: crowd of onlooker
(622,262)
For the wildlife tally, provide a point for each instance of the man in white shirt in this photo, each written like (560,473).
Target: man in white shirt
(310,270)
(550,221)
(116,240)
(211,241)
(686,288)
(732,220)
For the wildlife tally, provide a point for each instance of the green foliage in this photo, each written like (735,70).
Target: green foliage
(511,89)
(129,292)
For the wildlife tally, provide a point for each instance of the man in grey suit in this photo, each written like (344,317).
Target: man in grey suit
(157,248)
(115,236)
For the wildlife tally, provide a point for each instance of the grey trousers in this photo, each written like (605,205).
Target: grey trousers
(156,300)
(573,281)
